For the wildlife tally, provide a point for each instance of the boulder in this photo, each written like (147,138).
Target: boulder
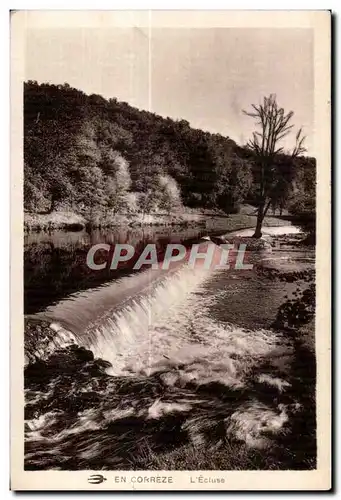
(252,244)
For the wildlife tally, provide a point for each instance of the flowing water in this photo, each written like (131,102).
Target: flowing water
(193,357)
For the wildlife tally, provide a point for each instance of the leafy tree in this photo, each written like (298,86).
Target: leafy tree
(302,204)
(234,185)
(118,183)
(303,207)
(34,199)
(274,126)
(170,194)
(149,199)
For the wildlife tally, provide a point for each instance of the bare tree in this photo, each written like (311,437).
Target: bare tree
(275,125)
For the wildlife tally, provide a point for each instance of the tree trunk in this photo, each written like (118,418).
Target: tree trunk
(53,205)
(258,231)
(260,216)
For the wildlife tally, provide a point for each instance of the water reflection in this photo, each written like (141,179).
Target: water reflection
(55,264)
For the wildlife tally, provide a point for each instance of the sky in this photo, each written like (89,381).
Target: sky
(206,76)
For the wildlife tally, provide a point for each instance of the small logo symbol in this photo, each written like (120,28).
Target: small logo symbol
(96,479)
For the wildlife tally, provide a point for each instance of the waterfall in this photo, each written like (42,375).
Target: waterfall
(115,319)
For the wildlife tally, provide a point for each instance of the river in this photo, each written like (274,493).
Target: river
(190,353)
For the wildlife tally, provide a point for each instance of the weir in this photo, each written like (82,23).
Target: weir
(116,319)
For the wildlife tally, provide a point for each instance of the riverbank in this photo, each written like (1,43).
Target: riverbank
(210,220)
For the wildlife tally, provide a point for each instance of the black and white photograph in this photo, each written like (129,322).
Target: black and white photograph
(169,184)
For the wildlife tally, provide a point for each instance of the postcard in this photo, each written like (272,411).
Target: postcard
(170,250)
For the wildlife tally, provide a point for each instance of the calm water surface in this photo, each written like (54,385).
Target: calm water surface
(55,264)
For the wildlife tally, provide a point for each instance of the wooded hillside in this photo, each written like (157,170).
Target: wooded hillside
(88,153)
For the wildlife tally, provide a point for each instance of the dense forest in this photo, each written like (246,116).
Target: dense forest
(85,153)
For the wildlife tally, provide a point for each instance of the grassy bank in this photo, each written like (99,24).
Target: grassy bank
(70,221)
(67,221)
